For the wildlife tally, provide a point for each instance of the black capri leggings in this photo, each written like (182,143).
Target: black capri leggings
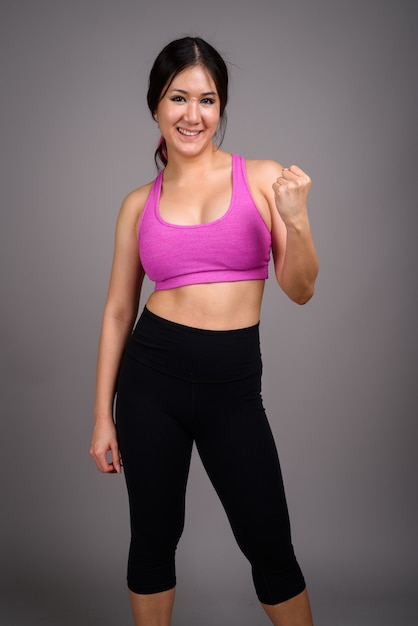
(179,385)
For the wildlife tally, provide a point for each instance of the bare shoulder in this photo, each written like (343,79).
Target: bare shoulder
(133,205)
(263,172)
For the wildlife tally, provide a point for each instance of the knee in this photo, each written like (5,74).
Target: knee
(151,571)
(274,585)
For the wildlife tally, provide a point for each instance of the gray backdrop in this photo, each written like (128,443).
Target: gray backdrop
(329,85)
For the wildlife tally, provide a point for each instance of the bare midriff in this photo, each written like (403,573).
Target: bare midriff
(211,306)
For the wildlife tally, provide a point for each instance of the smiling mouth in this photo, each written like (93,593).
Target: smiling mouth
(189,133)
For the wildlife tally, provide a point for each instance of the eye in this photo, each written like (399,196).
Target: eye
(208,101)
(177,99)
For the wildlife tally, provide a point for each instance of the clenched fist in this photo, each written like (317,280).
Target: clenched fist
(291,191)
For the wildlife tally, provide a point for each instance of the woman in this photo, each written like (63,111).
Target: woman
(190,372)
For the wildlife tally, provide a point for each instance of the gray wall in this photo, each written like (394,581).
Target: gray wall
(329,85)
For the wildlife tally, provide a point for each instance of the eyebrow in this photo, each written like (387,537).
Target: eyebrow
(205,93)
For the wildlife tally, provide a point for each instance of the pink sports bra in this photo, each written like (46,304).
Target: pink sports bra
(234,247)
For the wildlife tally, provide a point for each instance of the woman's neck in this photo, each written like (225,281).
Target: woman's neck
(179,167)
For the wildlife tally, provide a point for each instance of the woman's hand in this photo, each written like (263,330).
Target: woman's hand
(103,441)
(291,191)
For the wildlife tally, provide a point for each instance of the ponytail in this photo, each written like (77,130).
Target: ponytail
(160,155)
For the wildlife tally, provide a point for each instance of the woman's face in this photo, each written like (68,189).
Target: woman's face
(188,114)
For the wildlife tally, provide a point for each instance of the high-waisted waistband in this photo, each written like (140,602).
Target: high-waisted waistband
(193,353)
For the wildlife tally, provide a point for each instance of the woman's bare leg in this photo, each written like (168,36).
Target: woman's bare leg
(293,612)
(152,609)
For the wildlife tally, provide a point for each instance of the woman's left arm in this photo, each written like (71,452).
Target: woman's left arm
(295,258)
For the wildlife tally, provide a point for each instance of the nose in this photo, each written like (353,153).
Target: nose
(192,113)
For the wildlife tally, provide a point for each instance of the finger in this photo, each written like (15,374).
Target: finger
(101,461)
(288,174)
(116,463)
(283,186)
(278,188)
(295,169)
(293,180)
(104,464)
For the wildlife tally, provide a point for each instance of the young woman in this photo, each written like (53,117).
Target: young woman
(190,371)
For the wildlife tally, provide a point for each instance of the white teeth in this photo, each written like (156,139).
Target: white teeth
(189,133)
